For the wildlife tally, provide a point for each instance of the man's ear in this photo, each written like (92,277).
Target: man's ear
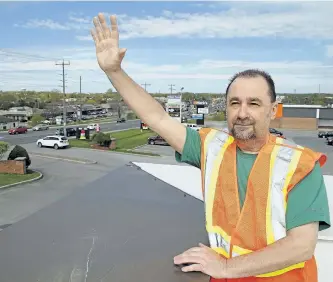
(274,110)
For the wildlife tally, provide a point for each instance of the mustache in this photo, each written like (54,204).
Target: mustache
(243,122)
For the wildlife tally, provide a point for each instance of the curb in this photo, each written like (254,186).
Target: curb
(82,161)
(23,182)
(117,152)
(82,124)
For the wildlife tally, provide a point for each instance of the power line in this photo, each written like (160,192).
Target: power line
(63,64)
(145,85)
(171,88)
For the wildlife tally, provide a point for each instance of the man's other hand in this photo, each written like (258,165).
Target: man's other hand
(203,259)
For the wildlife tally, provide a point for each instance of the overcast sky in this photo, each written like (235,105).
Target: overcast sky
(195,45)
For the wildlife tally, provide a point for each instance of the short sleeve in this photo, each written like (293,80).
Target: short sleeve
(192,149)
(308,202)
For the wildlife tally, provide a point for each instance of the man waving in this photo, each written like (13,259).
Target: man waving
(265,198)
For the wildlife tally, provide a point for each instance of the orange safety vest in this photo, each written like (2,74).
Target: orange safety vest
(233,231)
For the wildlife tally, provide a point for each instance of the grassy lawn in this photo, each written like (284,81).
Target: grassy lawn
(126,140)
(6,179)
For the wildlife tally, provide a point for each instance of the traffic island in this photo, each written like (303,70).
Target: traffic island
(121,141)
(9,180)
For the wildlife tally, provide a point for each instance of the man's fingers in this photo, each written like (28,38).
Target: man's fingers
(193,250)
(192,267)
(114,25)
(94,36)
(98,29)
(105,29)
(182,259)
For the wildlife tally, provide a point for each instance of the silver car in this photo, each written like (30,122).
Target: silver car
(40,127)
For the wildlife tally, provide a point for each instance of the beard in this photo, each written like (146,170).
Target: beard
(243,130)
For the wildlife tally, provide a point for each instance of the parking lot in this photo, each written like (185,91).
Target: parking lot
(310,139)
(305,138)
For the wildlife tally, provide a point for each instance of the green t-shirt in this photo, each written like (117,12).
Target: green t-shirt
(307,202)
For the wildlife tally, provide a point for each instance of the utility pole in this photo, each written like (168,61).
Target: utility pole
(145,85)
(171,88)
(181,101)
(319,89)
(63,64)
(81,100)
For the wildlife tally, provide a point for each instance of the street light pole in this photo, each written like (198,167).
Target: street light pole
(181,99)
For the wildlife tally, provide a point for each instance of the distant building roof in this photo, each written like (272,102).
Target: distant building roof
(4,119)
(303,106)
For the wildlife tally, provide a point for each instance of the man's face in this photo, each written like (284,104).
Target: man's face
(249,108)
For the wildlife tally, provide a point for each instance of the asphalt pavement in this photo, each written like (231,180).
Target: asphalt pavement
(33,136)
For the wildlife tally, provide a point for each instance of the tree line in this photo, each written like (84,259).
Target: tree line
(42,99)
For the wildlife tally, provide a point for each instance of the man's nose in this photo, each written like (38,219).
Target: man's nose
(243,112)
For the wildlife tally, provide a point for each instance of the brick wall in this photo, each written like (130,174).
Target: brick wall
(14,167)
(295,123)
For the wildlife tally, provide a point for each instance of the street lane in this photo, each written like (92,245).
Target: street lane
(33,136)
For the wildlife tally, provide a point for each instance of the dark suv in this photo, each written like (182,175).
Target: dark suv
(119,120)
(157,140)
(70,131)
(276,132)
(329,134)
(322,134)
(329,140)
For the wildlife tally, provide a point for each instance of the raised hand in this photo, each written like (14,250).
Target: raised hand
(109,55)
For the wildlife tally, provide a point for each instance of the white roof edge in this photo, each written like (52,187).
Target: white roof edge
(188,180)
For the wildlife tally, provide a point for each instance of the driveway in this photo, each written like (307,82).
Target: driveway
(61,178)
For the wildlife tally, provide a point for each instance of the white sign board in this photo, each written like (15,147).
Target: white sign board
(203,111)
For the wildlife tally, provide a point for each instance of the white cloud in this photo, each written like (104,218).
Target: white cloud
(290,20)
(329,51)
(198,76)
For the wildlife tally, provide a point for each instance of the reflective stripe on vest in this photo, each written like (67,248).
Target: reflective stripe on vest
(283,163)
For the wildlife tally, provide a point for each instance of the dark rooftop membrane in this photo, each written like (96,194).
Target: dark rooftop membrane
(127,226)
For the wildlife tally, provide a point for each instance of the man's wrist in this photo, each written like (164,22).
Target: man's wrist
(229,269)
(114,73)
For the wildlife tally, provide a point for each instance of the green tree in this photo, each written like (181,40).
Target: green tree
(36,119)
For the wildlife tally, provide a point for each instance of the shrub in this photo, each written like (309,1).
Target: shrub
(19,151)
(102,139)
(131,116)
(3,148)
(218,117)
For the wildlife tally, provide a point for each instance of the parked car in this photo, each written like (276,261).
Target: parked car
(40,127)
(157,140)
(92,126)
(193,126)
(329,140)
(322,134)
(18,130)
(119,120)
(55,142)
(329,134)
(70,131)
(276,132)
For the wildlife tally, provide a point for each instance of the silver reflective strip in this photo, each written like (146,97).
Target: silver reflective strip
(213,150)
(217,241)
(279,174)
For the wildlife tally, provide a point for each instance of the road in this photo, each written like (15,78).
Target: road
(33,136)
(61,178)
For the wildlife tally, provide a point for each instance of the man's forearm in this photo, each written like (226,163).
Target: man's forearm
(143,104)
(281,254)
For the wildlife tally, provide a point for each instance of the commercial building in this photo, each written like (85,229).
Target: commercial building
(310,117)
